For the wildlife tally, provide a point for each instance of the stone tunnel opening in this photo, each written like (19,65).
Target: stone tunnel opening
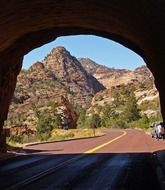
(107,19)
(139,25)
(34,107)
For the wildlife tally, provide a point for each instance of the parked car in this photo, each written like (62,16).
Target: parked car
(158,130)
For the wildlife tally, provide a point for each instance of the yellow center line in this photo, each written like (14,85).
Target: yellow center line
(105,144)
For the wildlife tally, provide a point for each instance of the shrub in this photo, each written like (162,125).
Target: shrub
(142,123)
(121,124)
(82,118)
(44,126)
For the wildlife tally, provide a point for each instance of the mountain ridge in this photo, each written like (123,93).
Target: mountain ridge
(110,77)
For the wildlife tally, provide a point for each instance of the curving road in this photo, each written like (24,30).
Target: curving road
(117,161)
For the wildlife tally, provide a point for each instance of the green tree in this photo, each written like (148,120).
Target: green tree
(120,95)
(107,116)
(57,121)
(54,108)
(82,118)
(44,126)
(94,121)
(120,123)
(142,123)
(131,111)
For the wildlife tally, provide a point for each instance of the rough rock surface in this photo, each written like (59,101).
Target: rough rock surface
(140,80)
(71,73)
(61,71)
(111,77)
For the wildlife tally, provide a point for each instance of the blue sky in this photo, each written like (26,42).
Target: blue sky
(100,50)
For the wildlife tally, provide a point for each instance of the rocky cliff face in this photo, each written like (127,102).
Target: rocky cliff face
(111,77)
(44,83)
(70,71)
(59,73)
(94,68)
(141,81)
(42,88)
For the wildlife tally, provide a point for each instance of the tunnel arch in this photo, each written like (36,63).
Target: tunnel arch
(138,25)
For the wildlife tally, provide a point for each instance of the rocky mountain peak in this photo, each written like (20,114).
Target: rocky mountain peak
(70,71)
(143,70)
(60,73)
(58,53)
(37,66)
(92,67)
(58,60)
(60,50)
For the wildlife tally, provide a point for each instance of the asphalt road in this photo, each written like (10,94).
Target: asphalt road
(117,161)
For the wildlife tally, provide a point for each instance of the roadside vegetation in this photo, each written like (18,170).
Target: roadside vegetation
(50,127)
(123,112)
(55,135)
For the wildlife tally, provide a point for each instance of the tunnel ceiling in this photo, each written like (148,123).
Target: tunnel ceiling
(29,24)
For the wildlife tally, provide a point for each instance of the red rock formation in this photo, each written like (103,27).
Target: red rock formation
(37,66)
(111,77)
(70,112)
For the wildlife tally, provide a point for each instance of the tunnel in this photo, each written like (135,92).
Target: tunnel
(25,25)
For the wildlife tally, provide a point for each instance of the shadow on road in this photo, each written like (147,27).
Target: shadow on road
(126,171)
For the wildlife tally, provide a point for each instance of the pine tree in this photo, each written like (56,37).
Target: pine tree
(131,111)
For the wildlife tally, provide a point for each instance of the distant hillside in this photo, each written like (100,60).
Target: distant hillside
(93,68)
(140,80)
(110,77)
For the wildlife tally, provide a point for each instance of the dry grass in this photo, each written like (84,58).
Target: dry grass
(59,134)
